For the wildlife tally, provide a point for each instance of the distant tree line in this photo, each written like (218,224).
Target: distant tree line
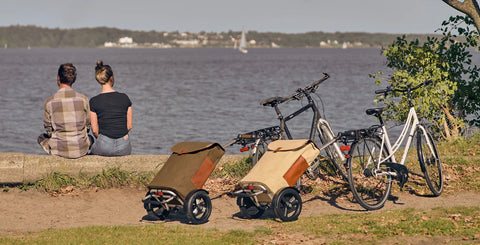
(17,36)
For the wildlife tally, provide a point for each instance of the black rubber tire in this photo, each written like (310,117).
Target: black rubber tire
(287,204)
(198,207)
(430,162)
(155,208)
(370,191)
(248,209)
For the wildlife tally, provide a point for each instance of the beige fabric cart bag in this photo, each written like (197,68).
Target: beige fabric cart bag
(188,168)
(282,165)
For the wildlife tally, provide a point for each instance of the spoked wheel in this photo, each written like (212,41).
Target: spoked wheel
(370,185)
(260,149)
(156,208)
(198,207)
(248,209)
(430,162)
(261,146)
(331,151)
(287,205)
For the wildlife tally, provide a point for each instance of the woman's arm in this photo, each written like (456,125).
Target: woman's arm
(94,123)
(129,118)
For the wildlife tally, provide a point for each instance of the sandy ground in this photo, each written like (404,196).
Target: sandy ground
(30,211)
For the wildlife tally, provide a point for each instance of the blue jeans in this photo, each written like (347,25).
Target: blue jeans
(106,146)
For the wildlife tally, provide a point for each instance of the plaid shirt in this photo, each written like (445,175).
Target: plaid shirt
(66,118)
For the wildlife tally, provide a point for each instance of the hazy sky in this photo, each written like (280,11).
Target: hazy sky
(291,16)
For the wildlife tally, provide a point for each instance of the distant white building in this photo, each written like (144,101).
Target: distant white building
(193,42)
(109,44)
(125,40)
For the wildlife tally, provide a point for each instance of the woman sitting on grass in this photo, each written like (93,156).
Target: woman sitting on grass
(110,116)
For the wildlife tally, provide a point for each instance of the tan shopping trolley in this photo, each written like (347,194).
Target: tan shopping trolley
(179,182)
(272,180)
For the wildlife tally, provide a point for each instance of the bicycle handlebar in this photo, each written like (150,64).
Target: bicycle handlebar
(388,89)
(297,95)
(308,89)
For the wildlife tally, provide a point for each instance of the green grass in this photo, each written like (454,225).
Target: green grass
(461,223)
(145,234)
(108,178)
(236,170)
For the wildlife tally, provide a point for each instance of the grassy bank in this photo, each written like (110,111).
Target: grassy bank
(461,165)
(460,161)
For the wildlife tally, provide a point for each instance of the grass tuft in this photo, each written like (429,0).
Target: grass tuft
(233,169)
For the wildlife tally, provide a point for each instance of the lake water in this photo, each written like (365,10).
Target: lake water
(190,94)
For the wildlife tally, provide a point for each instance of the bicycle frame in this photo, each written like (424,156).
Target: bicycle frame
(413,123)
(317,121)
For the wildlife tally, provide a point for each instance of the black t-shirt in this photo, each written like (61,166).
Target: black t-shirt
(111,109)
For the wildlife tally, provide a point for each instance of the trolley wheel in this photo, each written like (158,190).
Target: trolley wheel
(248,209)
(287,204)
(198,207)
(156,208)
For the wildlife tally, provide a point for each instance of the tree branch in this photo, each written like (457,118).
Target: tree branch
(468,7)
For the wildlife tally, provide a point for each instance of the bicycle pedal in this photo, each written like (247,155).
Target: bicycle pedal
(406,188)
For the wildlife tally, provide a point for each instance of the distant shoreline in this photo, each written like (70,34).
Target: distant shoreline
(17,36)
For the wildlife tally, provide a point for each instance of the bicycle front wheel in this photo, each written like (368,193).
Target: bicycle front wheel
(369,182)
(429,161)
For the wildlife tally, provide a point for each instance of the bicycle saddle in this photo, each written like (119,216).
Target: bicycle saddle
(375,111)
(272,101)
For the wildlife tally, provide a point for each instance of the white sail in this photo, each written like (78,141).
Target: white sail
(243,43)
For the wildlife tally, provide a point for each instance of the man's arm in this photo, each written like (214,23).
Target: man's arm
(47,119)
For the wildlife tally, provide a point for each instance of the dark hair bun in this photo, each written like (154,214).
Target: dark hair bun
(99,64)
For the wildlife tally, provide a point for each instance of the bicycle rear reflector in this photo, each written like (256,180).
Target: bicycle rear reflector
(246,148)
(345,148)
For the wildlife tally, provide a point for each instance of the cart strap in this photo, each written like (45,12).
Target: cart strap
(295,171)
(202,174)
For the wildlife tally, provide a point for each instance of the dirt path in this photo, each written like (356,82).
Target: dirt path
(33,211)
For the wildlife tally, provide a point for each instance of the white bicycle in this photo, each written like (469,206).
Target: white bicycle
(372,166)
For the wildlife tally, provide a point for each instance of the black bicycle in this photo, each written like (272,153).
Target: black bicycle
(258,140)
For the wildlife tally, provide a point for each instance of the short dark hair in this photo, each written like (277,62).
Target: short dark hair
(67,73)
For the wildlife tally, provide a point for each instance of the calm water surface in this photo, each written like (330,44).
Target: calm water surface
(189,94)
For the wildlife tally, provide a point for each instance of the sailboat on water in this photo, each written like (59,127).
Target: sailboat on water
(243,43)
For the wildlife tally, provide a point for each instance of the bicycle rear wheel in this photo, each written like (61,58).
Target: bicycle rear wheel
(370,185)
(260,149)
(261,146)
(326,135)
(429,161)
